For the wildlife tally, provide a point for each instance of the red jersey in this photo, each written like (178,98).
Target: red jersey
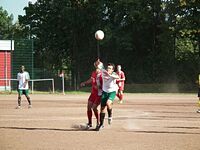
(120,83)
(96,82)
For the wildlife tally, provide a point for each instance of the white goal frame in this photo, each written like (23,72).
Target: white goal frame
(32,85)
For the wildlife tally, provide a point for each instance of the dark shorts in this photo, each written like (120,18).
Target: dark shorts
(199,92)
(21,92)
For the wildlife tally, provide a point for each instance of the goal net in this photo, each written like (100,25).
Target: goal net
(34,85)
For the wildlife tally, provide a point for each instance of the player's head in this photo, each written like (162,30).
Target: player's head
(110,68)
(98,64)
(119,67)
(22,68)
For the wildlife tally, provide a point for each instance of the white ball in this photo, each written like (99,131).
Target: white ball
(99,35)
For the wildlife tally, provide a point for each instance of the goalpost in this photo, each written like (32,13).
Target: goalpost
(10,54)
(39,80)
(9,88)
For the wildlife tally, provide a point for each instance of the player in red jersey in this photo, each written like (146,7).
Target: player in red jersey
(95,96)
(120,83)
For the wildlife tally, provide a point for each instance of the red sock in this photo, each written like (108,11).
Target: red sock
(118,95)
(89,115)
(121,97)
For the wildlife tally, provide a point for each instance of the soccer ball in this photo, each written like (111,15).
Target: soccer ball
(99,35)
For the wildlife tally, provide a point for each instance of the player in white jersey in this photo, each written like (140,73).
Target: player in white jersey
(23,88)
(109,92)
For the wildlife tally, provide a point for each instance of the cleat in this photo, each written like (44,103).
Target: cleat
(89,125)
(97,126)
(100,127)
(29,106)
(109,120)
(198,111)
(18,107)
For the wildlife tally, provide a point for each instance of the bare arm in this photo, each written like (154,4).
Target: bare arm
(86,82)
(25,83)
(27,78)
(122,79)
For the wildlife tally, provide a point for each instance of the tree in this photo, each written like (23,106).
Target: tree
(6,26)
(62,32)
(141,35)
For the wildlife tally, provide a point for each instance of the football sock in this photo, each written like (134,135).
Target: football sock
(109,112)
(89,114)
(29,101)
(19,101)
(96,113)
(121,97)
(102,116)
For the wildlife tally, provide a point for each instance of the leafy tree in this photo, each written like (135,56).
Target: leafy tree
(146,37)
(5,24)
(185,24)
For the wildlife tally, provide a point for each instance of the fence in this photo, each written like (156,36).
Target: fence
(23,54)
(10,61)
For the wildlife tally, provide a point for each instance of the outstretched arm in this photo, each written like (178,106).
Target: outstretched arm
(86,82)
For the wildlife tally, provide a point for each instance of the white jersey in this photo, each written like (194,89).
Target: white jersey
(109,83)
(22,77)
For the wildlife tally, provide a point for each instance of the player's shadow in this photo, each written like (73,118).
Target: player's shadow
(48,129)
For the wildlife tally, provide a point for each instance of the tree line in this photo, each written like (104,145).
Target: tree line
(155,41)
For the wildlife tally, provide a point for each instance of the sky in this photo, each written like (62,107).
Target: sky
(15,7)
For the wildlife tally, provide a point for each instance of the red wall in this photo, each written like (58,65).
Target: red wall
(3,65)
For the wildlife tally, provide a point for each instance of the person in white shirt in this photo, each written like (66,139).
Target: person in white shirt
(109,92)
(23,88)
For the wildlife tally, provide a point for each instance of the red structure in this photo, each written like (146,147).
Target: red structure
(5,64)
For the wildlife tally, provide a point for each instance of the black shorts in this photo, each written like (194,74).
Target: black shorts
(199,92)
(21,92)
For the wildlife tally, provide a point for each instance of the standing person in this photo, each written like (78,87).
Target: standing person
(120,83)
(23,88)
(95,96)
(198,111)
(109,92)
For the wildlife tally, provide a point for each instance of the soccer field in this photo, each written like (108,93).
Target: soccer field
(143,122)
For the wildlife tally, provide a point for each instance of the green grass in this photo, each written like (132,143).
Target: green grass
(131,88)
(160,88)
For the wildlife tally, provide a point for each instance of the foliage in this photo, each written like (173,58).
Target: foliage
(5,24)
(154,41)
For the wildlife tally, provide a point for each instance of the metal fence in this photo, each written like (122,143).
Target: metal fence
(23,54)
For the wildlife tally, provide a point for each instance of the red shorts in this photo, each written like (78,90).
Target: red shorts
(94,98)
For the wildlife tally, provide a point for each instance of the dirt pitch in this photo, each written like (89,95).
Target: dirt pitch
(143,122)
